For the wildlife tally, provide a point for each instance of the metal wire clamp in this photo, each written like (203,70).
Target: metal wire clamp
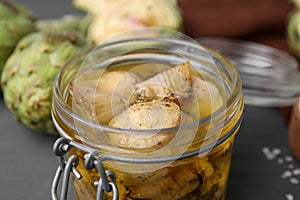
(107,180)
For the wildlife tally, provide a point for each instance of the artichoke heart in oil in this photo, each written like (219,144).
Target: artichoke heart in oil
(144,97)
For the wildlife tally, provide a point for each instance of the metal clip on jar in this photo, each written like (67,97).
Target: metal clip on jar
(184,168)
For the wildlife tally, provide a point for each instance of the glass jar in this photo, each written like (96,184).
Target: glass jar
(193,165)
(270,76)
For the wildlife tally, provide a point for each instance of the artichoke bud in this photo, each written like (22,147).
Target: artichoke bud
(292,32)
(293,29)
(30,71)
(16,21)
(111,17)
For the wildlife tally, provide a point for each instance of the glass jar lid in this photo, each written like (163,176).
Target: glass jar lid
(270,77)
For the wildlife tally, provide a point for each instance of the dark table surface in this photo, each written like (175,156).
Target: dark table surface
(27,163)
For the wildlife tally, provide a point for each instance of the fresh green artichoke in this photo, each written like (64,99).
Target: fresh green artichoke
(65,23)
(30,71)
(16,21)
(113,17)
(293,32)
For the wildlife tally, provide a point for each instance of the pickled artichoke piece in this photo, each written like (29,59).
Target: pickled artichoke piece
(177,184)
(102,95)
(143,177)
(100,107)
(114,17)
(207,94)
(175,82)
(83,189)
(148,115)
(186,119)
(118,83)
(205,169)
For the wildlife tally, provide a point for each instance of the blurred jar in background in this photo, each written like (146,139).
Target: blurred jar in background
(261,21)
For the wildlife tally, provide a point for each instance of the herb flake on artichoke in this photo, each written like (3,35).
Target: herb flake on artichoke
(30,71)
(16,21)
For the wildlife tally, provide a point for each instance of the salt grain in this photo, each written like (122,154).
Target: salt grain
(289,197)
(286,174)
(293,171)
(280,160)
(265,150)
(288,158)
(276,151)
(296,172)
(270,156)
(268,153)
(291,166)
(294,180)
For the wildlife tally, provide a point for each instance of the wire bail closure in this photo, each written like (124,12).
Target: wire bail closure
(107,180)
(92,159)
(60,148)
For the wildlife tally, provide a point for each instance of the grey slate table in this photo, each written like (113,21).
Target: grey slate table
(27,163)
